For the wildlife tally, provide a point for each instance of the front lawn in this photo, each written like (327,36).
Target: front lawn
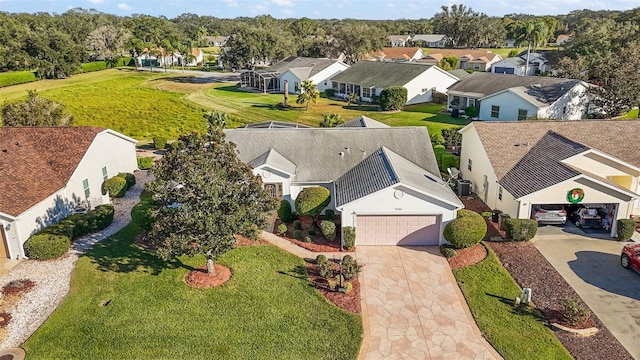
(517,333)
(267,310)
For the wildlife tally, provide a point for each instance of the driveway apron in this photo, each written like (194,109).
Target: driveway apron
(412,307)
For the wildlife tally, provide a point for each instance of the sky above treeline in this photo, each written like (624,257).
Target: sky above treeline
(315,9)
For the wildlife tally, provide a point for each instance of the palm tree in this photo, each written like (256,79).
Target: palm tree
(535,33)
(216,119)
(308,93)
(331,120)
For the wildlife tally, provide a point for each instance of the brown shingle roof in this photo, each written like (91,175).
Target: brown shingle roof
(35,162)
(472,53)
(394,53)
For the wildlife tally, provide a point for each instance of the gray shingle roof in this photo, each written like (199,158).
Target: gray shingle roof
(428,37)
(363,121)
(274,125)
(380,74)
(459,73)
(274,159)
(485,84)
(292,62)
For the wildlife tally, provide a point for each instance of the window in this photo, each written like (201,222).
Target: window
(495,111)
(424,90)
(522,114)
(366,92)
(469,165)
(472,102)
(564,110)
(334,86)
(456,100)
(296,86)
(85,185)
(476,66)
(105,176)
(343,89)
(500,193)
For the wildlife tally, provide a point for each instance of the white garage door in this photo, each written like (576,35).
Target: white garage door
(397,230)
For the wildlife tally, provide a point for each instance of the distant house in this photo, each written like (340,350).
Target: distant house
(198,58)
(294,70)
(430,40)
(510,43)
(562,38)
(477,60)
(147,59)
(507,97)
(367,79)
(399,40)
(47,171)
(397,54)
(217,40)
(363,121)
(538,63)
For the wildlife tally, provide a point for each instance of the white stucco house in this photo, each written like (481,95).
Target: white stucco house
(399,40)
(369,78)
(507,97)
(517,166)
(430,40)
(468,59)
(538,63)
(384,181)
(47,171)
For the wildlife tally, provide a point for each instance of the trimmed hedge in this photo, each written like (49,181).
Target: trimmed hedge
(116,186)
(129,178)
(93,221)
(328,229)
(159,142)
(447,251)
(625,229)
(17,77)
(393,98)
(466,230)
(471,111)
(94,66)
(284,211)
(520,229)
(145,163)
(330,215)
(451,136)
(312,200)
(446,160)
(46,246)
(329,93)
(349,237)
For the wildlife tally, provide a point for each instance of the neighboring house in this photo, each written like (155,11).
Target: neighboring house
(384,181)
(47,171)
(368,78)
(538,63)
(147,59)
(476,60)
(510,43)
(396,54)
(198,58)
(507,97)
(562,38)
(430,40)
(399,40)
(517,166)
(217,40)
(363,121)
(294,70)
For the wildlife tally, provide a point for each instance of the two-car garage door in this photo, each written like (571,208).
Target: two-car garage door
(397,230)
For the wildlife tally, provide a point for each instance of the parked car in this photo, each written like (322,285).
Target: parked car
(550,214)
(630,257)
(588,217)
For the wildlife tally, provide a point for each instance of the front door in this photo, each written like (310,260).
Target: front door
(4,252)
(274,190)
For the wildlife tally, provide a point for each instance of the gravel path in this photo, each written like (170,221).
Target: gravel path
(52,278)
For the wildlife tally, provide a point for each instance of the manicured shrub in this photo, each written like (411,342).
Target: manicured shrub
(328,229)
(625,229)
(324,268)
(129,178)
(349,237)
(329,215)
(94,66)
(436,138)
(440,147)
(445,159)
(115,186)
(520,229)
(573,312)
(348,287)
(141,216)
(332,283)
(439,98)
(145,162)
(486,214)
(471,111)
(282,229)
(284,211)
(312,200)
(100,217)
(297,225)
(350,267)
(447,251)
(307,239)
(393,98)
(329,92)
(297,234)
(321,258)
(46,246)
(159,142)
(451,136)
(311,232)
(63,228)
(465,231)
(17,77)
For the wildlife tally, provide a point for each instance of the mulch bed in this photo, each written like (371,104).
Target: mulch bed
(466,257)
(199,278)
(349,302)
(245,241)
(318,243)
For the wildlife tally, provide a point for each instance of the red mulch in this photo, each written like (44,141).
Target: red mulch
(245,241)
(474,204)
(349,302)
(466,257)
(319,243)
(4,319)
(199,278)
(17,287)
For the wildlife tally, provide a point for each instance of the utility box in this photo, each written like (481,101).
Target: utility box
(464,187)
(495,214)
(501,220)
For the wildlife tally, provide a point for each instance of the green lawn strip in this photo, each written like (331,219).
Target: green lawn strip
(516,334)
(633,114)
(267,310)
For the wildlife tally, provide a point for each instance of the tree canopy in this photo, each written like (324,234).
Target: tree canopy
(35,111)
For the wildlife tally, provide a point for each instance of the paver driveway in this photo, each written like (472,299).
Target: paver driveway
(592,268)
(412,307)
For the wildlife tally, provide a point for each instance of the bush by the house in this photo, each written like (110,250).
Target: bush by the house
(145,163)
(308,239)
(297,225)
(393,98)
(439,98)
(349,237)
(350,267)
(312,200)
(63,228)
(451,136)
(329,215)
(573,311)
(466,230)
(297,234)
(311,232)
(141,216)
(284,211)
(116,186)
(320,258)
(625,229)
(282,229)
(471,111)
(329,92)
(328,229)
(446,160)
(129,178)
(436,138)
(447,251)
(159,142)
(520,229)
(46,246)
(438,147)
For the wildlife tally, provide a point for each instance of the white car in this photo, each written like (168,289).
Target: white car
(550,214)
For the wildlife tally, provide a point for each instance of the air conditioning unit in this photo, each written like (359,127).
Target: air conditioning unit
(464,187)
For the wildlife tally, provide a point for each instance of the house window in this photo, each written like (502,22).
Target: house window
(85,186)
(334,86)
(472,102)
(469,165)
(500,193)
(476,66)
(564,110)
(296,86)
(456,100)
(522,114)
(495,111)
(366,92)
(105,176)
(424,90)
(343,88)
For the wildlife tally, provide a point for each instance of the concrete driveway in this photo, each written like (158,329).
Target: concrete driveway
(592,268)
(412,307)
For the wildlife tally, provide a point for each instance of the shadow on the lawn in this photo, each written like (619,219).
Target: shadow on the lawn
(522,310)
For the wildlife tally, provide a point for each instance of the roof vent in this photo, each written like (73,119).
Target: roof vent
(341,154)
(17,143)
(4,150)
(364,153)
(347,150)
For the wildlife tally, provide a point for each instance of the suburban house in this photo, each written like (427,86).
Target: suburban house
(430,40)
(399,40)
(507,97)
(48,171)
(363,121)
(217,40)
(538,63)
(197,58)
(294,70)
(476,60)
(397,54)
(384,181)
(148,59)
(517,166)
(368,78)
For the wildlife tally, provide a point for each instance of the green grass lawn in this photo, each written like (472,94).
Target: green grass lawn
(516,334)
(267,310)
(633,114)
